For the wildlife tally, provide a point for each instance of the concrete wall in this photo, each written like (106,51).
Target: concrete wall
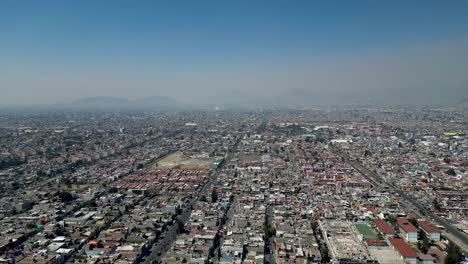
(411,260)
(434,236)
(411,236)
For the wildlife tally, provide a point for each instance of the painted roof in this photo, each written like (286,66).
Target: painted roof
(384,227)
(406,225)
(428,227)
(403,248)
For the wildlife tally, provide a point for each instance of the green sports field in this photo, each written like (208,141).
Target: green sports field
(366,231)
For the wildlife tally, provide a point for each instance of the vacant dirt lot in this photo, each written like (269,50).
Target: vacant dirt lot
(178,160)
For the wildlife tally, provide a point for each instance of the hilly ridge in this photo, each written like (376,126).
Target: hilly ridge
(110,102)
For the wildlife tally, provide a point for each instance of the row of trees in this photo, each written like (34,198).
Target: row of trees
(453,254)
(269,231)
(324,252)
(214,197)
(11,162)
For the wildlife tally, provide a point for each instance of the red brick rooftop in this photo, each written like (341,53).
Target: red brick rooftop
(428,227)
(403,248)
(384,227)
(406,225)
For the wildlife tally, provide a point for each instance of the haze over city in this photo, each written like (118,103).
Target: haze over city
(238,52)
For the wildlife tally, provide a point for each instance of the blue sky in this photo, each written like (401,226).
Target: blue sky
(46,46)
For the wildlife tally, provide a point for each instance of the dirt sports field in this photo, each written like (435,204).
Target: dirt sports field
(178,160)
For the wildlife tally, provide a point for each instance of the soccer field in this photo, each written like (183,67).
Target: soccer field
(366,231)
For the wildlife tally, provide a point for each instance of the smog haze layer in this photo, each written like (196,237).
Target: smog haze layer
(236,53)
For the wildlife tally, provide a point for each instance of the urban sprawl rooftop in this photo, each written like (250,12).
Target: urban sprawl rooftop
(355,185)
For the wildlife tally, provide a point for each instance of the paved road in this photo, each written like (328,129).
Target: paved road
(162,246)
(269,258)
(227,218)
(170,234)
(372,177)
(325,237)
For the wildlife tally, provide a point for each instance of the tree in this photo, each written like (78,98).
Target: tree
(11,162)
(436,204)
(28,205)
(203,198)
(392,220)
(367,153)
(65,197)
(31,226)
(67,181)
(91,203)
(380,236)
(451,172)
(214,196)
(15,185)
(453,254)
(325,254)
(112,190)
(180,227)
(178,210)
(424,244)
(49,236)
(314,225)
(269,230)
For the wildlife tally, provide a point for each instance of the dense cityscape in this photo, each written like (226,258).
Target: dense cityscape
(349,185)
(233,132)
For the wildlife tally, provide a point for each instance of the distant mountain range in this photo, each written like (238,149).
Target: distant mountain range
(163,103)
(116,103)
(463,104)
